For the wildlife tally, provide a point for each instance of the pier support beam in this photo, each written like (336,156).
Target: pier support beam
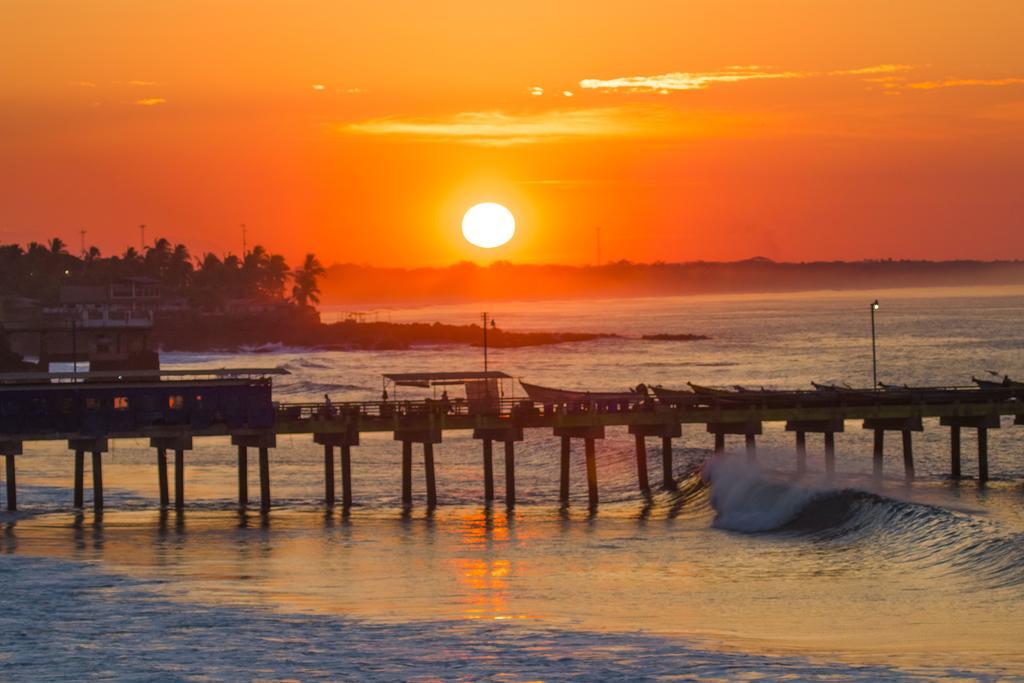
(982,423)
(428,436)
(179,443)
(343,440)
(749,430)
(11,449)
(982,455)
(97,446)
(161,476)
(407,473)
(428,468)
(97,482)
(666,432)
(79,478)
(828,428)
(510,474)
(641,464)
(243,477)
(908,456)
(508,435)
(878,456)
(179,479)
(589,434)
(563,483)
(954,452)
(264,479)
(591,455)
(488,453)
(262,442)
(801,453)
(880,425)
(830,455)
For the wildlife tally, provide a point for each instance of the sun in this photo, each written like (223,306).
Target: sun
(488,225)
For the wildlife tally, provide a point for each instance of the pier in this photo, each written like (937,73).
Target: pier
(175,409)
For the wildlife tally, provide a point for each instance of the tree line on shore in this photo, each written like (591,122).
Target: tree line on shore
(39,270)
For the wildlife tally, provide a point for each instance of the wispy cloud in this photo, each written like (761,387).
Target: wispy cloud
(501,128)
(876,69)
(141,84)
(150,101)
(965,82)
(700,80)
(686,80)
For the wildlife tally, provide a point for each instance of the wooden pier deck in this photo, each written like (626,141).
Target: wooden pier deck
(424,423)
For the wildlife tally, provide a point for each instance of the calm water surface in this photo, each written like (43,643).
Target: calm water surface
(755,575)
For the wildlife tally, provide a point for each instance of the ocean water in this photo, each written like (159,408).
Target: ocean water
(742,572)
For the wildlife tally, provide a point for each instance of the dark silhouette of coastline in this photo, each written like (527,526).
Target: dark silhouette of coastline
(349,284)
(303,329)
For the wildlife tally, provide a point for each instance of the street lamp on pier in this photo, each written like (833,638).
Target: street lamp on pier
(874,352)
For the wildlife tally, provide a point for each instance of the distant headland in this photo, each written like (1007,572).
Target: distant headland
(503,281)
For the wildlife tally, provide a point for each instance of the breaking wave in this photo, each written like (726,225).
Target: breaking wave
(746,499)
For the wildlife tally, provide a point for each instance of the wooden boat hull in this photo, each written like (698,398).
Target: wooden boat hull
(553,396)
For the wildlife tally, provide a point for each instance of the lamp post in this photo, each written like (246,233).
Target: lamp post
(487,387)
(874,353)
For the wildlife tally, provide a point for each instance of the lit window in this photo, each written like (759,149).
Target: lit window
(176,402)
(92,403)
(120,403)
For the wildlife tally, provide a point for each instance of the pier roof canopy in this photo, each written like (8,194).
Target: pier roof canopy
(429,379)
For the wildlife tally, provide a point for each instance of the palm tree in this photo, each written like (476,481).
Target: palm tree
(305,289)
(57,246)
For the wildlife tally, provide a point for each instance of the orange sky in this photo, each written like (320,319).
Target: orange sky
(362,131)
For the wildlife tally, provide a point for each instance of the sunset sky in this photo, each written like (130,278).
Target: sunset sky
(363,131)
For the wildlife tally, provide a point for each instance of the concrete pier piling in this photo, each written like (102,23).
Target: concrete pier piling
(563,480)
(801,453)
(161,475)
(955,470)
(982,423)
(79,497)
(262,441)
(589,434)
(641,464)
(830,455)
(343,441)
(908,456)
(428,436)
(97,481)
(905,425)
(179,443)
(826,427)
(428,469)
(97,446)
(666,432)
(407,473)
(243,477)
(488,455)
(510,474)
(10,450)
(748,429)
(507,435)
(329,475)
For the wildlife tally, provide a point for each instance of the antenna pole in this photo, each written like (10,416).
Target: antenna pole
(484,315)
(245,244)
(142,237)
(82,235)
